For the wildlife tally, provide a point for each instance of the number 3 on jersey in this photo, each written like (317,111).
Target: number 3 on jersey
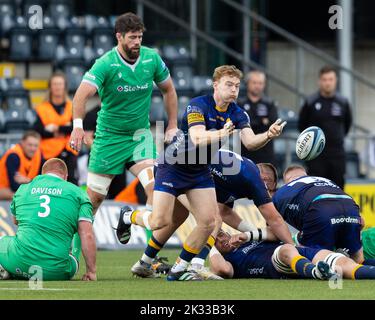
(45,206)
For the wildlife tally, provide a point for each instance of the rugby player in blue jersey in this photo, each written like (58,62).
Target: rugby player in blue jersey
(247,183)
(324,214)
(183,169)
(237,257)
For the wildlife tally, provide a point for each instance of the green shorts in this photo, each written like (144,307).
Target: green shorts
(20,269)
(110,152)
(368,243)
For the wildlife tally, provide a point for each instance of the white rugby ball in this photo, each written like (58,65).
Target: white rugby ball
(310,143)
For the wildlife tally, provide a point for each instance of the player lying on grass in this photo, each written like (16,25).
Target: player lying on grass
(49,211)
(237,257)
(183,169)
(235,177)
(324,214)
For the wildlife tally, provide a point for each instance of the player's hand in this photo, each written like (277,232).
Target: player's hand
(20,179)
(275,129)
(89,276)
(228,128)
(238,239)
(51,127)
(76,138)
(170,132)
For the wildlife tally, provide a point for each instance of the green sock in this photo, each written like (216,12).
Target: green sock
(76,246)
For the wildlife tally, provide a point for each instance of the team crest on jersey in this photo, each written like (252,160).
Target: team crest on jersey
(318,106)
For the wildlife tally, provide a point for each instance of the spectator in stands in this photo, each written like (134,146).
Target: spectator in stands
(262,111)
(20,164)
(54,123)
(89,125)
(330,111)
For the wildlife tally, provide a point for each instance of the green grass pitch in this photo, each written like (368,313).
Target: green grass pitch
(116,282)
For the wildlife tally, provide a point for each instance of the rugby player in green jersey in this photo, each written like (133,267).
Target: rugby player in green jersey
(123,78)
(49,211)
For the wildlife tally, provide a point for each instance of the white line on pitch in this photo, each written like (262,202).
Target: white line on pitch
(44,289)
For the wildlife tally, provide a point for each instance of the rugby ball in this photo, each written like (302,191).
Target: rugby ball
(310,143)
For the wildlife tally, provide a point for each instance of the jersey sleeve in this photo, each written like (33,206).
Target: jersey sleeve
(96,75)
(161,70)
(257,187)
(195,115)
(85,211)
(13,207)
(242,119)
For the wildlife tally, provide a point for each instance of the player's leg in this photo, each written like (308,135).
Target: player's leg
(345,266)
(4,258)
(144,170)
(97,188)
(204,209)
(143,267)
(289,259)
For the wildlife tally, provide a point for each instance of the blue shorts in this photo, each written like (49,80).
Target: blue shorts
(257,262)
(331,224)
(171,179)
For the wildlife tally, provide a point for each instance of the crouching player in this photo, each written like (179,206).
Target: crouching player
(49,211)
(237,257)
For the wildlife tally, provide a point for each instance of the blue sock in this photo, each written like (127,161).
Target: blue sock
(364,272)
(206,249)
(303,267)
(153,247)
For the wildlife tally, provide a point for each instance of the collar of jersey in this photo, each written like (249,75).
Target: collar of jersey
(53,175)
(218,108)
(131,66)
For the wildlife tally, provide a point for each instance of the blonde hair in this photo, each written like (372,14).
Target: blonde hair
(55,165)
(227,70)
(293,167)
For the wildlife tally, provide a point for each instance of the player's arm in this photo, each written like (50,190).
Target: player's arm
(86,233)
(254,141)
(170,102)
(200,136)
(83,93)
(219,265)
(276,223)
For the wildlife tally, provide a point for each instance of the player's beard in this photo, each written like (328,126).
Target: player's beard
(131,53)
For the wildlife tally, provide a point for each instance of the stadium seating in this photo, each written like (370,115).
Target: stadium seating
(157,111)
(48,39)
(59,8)
(202,85)
(18,120)
(21,41)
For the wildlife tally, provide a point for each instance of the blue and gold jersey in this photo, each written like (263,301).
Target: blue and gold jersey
(202,111)
(237,177)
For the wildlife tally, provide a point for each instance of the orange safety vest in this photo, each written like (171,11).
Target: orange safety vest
(52,147)
(129,193)
(28,167)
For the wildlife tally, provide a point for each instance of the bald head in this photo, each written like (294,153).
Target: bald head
(294,172)
(55,166)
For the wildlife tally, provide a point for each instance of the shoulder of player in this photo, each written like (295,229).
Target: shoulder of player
(149,53)
(107,58)
(341,99)
(310,100)
(200,102)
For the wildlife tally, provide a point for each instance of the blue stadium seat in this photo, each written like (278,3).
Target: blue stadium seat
(59,8)
(202,85)
(157,111)
(103,38)
(21,41)
(7,7)
(176,55)
(93,22)
(7,22)
(74,70)
(19,100)
(74,40)
(48,40)
(19,120)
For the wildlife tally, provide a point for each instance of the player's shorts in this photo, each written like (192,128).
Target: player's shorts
(20,268)
(224,197)
(368,242)
(260,262)
(331,224)
(110,151)
(175,181)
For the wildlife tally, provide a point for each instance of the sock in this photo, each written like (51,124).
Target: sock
(202,255)
(129,217)
(76,246)
(186,255)
(148,234)
(152,250)
(303,267)
(363,272)
(369,262)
